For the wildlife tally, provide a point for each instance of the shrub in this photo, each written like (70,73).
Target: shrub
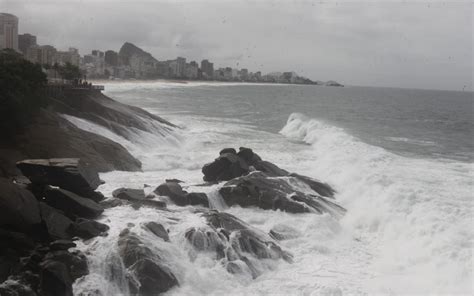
(21,84)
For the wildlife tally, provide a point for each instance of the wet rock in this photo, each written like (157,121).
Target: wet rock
(57,224)
(275,193)
(284,232)
(158,230)
(75,261)
(68,173)
(137,198)
(14,288)
(174,180)
(233,240)
(111,203)
(71,203)
(61,245)
(87,229)
(197,198)
(320,187)
(270,169)
(19,209)
(248,155)
(227,150)
(226,167)
(174,191)
(146,267)
(9,263)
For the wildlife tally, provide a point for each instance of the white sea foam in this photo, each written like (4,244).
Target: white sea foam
(416,214)
(407,229)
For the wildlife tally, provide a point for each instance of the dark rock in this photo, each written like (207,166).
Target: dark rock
(174,180)
(87,229)
(9,263)
(75,261)
(270,169)
(137,198)
(112,203)
(19,209)
(320,187)
(248,155)
(197,198)
(226,167)
(57,225)
(257,189)
(68,173)
(158,230)
(145,266)
(227,150)
(233,240)
(55,279)
(16,241)
(14,288)
(72,204)
(174,191)
(60,245)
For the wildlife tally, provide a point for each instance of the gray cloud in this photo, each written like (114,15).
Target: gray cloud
(420,45)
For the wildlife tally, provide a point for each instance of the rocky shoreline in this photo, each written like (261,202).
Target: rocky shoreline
(51,204)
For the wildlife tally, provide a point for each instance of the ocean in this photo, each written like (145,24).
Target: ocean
(401,161)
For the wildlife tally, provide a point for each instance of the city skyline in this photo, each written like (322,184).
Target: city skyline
(422,45)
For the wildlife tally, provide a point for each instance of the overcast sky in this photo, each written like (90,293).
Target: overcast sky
(399,44)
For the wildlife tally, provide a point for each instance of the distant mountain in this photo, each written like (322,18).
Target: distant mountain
(128,50)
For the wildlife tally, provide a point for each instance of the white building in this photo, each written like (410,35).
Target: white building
(8,31)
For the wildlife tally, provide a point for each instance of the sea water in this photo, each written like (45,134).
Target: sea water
(401,161)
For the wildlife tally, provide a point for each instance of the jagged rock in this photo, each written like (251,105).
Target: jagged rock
(19,209)
(57,225)
(9,263)
(112,203)
(158,230)
(61,245)
(68,173)
(270,169)
(145,266)
(248,155)
(226,167)
(71,203)
(233,240)
(87,229)
(137,198)
(257,189)
(320,187)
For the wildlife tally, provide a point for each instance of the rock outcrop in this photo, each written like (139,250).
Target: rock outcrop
(148,275)
(275,193)
(236,242)
(136,197)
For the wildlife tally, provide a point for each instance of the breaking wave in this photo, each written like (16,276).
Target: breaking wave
(416,214)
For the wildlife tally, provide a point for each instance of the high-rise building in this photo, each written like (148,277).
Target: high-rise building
(111,58)
(8,31)
(207,69)
(181,66)
(26,41)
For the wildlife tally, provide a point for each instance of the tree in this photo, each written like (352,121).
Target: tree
(69,71)
(21,85)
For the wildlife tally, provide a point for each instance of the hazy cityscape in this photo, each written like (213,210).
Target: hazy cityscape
(131,62)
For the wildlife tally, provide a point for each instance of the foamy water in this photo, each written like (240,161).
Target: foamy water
(407,229)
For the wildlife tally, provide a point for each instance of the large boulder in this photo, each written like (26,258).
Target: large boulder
(235,242)
(68,173)
(226,167)
(148,274)
(19,209)
(57,225)
(318,186)
(137,198)
(275,193)
(72,204)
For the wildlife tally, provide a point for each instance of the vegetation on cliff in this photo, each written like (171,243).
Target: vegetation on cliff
(21,82)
